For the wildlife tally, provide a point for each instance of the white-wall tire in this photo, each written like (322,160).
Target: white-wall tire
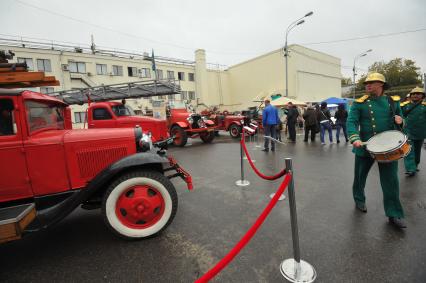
(155,180)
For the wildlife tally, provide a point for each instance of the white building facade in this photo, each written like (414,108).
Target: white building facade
(312,76)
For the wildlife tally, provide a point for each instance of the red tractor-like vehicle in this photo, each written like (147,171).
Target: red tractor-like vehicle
(184,124)
(47,169)
(226,121)
(111,114)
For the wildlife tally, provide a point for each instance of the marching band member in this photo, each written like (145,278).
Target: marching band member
(370,115)
(414,111)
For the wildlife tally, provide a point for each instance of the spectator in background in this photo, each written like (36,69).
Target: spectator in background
(6,123)
(341,116)
(270,120)
(292,115)
(324,118)
(311,123)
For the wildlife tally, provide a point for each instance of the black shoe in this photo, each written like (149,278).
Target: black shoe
(272,149)
(361,207)
(265,149)
(410,174)
(305,140)
(347,140)
(338,141)
(397,222)
(417,170)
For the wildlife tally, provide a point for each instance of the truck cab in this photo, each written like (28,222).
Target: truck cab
(112,114)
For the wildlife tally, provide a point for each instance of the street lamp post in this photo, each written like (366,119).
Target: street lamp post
(354,69)
(289,28)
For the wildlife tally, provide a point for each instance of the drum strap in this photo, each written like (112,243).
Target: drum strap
(392,106)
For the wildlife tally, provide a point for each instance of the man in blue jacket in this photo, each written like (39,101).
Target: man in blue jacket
(270,120)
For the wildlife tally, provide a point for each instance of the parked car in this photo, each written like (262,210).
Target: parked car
(48,169)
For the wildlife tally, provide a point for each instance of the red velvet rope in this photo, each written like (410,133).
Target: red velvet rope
(247,237)
(274,177)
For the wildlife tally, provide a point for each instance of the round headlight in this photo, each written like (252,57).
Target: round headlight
(190,120)
(145,142)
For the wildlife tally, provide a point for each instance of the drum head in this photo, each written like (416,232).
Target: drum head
(386,141)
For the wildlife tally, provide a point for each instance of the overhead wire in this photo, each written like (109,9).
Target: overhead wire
(211,51)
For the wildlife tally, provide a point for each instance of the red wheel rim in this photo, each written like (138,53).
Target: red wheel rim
(178,136)
(140,207)
(234,132)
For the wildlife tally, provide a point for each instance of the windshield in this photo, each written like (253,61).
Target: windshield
(123,110)
(44,115)
(177,105)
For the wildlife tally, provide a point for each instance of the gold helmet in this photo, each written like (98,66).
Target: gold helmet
(418,90)
(377,77)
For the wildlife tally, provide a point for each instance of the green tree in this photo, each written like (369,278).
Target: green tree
(398,72)
(346,81)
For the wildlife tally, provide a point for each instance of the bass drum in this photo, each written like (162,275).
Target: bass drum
(388,146)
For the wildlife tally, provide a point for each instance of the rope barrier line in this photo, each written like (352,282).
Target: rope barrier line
(274,177)
(247,237)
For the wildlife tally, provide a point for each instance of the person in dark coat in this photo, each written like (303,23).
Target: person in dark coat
(310,117)
(324,118)
(341,116)
(292,115)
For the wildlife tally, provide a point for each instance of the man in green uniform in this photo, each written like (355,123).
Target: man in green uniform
(369,115)
(414,111)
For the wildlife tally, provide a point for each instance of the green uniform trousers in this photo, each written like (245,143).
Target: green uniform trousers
(388,180)
(412,160)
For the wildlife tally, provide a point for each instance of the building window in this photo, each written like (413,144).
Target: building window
(170,75)
(181,76)
(132,71)
(191,77)
(44,65)
(191,95)
(29,62)
(101,69)
(46,89)
(77,67)
(145,73)
(79,117)
(183,95)
(101,114)
(117,70)
(159,74)
(171,97)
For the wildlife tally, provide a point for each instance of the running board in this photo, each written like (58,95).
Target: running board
(14,220)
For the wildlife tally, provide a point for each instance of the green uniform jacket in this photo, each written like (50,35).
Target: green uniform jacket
(415,121)
(368,116)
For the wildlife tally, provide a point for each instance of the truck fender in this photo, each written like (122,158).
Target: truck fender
(61,210)
(182,124)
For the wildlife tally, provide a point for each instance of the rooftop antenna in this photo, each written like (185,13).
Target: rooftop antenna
(93,46)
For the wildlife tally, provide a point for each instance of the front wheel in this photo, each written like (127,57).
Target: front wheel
(235,131)
(139,204)
(207,137)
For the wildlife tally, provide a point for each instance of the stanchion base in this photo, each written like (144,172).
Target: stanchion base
(242,183)
(294,272)
(282,196)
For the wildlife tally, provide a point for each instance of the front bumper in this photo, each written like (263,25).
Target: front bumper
(180,172)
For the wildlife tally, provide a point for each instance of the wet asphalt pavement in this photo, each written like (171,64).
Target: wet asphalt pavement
(343,245)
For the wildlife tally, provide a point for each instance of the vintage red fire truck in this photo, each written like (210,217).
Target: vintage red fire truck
(184,124)
(225,121)
(47,170)
(113,114)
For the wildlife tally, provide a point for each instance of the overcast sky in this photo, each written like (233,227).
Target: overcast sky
(230,31)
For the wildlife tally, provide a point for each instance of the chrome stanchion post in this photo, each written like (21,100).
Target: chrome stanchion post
(242,182)
(295,269)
